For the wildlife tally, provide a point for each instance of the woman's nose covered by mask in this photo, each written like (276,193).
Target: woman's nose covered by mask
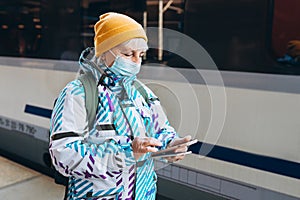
(124,67)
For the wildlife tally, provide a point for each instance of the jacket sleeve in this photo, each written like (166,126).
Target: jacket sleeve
(71,151)
(162,128)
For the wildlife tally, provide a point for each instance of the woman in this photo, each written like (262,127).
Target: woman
(112,160)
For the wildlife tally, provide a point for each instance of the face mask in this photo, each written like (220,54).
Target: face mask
(124,67)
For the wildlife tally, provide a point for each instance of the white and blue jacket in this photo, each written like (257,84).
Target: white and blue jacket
(100,162)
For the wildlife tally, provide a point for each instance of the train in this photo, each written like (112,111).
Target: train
(223,79)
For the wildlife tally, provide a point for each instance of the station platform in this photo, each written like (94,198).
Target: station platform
(19,182)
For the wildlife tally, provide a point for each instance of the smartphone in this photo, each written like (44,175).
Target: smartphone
(170,154)
(170,151)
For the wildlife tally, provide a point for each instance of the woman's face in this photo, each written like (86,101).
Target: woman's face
(125,52)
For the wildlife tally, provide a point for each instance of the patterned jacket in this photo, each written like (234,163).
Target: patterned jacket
(100,162)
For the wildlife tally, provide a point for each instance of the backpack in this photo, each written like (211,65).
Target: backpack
(91,104)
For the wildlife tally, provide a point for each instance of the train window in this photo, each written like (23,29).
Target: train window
(62,29)
(44,29)
(240,35)
(245,35)
(232,32)
(54,29)
(285,42)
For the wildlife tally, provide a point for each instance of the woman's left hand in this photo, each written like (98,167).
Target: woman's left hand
(183,149)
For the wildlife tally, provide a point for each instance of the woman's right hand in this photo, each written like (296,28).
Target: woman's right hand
(142,145)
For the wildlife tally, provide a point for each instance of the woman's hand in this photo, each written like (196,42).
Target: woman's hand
(183,149)
(142,145)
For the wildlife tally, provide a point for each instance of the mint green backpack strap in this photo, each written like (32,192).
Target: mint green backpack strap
(91,97)
(139,86)
(141,90)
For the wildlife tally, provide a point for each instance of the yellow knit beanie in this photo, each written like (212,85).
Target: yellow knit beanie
(113,29)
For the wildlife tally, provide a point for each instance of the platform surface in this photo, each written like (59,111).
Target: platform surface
(19,182)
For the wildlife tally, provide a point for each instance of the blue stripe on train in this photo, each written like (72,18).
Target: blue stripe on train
(270,164)
(266,163)
(35,110)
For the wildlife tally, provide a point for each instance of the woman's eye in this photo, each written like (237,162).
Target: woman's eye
(127,54)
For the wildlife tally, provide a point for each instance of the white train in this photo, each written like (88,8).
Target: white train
(247,123)
(250,125)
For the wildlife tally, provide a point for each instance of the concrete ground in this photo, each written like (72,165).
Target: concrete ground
(19,182)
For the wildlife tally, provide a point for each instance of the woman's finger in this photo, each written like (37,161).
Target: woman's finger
(151,142)
(151,149)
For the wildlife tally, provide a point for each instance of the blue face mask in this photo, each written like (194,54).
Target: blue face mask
(124,67)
